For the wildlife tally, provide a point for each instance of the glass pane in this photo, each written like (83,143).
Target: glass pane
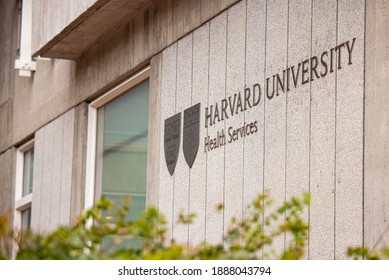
(122,148)
(113,243)
(137,204)
(26,219)
(28,170)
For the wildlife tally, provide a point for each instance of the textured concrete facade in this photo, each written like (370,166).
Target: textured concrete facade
(376,194)
(307,137)
(299,86)
(59,171)
(60,15)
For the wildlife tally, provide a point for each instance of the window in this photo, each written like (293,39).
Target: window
(19,29)
(121,152)
(24,186)
(24,63)
(117,144)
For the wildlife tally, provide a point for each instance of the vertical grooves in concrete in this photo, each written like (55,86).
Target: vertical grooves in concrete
(206,155)
(364,128)
(336,111)
(286,117)
(225,127)
(264,118)
(310,141)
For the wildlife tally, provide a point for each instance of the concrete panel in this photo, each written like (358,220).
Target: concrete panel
(166,22)
(178,18)
(192,10)
(298,102)
(55,85)
(208,9)
(141,38)
(322,164)
(7,174)
(7,193)
(211,8)
(183,101)
(77,199)
(53,171)
(275,108)
(59,14)
(39,144)
(168,109)
(165,27)
(8,18)
(6,127)
(47,178)
(376,134)
(118,49)
(198,173)
(349,128)
(3,191)
(255,66)
(235,83)
(43,98)
(215,157)
(8,37)
(68,154)
(154,132)
(5,57)
(56,171)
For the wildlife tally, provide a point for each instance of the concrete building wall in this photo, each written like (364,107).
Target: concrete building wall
(52,174)
(327,136)
(59,171)
(8,37)
(376,153)
(130,48)
(59,14)
(59,85)
(7,178)
(28,105)
(41,105)
(7,194)
(308,136)
(52,88)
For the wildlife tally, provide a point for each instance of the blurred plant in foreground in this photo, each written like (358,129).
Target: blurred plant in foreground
(362,252)
(250,237)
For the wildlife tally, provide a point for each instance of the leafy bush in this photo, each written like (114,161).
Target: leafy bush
(5,238)
(249,238)
(362,252)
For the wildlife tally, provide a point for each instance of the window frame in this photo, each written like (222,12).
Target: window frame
(24,62)
(22,203)
(115,92)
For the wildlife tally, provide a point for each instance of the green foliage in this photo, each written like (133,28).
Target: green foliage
(362,252)
(3,229)
(250,237)
(6,237)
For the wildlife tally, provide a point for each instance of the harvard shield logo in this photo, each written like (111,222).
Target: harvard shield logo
(191,133)
(172,141)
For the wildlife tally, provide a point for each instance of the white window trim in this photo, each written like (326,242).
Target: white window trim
(25,64)
(21,202)
(92,130)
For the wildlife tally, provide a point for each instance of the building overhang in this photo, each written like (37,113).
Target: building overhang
(90,28)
